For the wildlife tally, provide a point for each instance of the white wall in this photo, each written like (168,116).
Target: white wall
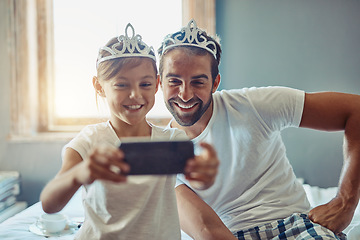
(309,45)
(4,79)
(37,161)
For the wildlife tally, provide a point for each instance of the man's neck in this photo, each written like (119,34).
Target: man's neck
(191,131)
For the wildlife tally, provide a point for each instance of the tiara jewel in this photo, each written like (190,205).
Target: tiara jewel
(127,47)
(190,35)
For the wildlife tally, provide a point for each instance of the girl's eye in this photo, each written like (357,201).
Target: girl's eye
(120,85)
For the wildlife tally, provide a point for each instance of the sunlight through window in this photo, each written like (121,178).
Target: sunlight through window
(81,27)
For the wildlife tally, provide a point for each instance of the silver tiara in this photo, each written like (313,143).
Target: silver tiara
(189,36)
(130,47)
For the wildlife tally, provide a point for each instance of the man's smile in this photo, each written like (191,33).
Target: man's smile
(185,106)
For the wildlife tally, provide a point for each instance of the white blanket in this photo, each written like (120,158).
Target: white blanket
(17,227)
(318,196)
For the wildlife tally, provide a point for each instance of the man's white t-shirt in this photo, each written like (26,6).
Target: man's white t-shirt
(256,183)
(142,208)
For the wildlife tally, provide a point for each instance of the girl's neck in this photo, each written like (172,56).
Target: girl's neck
(123,129)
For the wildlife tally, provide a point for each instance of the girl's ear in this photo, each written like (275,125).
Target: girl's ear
(157,83)
(98,88)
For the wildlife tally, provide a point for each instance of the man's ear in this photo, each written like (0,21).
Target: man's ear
(160,82)
(157,83)
(97,86)
(216,83)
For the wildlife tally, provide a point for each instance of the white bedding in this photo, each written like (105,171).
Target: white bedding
(17,227)
(318,196)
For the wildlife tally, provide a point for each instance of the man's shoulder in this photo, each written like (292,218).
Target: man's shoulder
(229,95)
(252,92)
(234,92)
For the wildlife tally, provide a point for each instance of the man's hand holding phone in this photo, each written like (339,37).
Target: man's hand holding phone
(201,170)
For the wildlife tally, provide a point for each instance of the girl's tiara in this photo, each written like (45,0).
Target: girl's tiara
(127,47)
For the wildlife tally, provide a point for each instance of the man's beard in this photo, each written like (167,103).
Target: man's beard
(187,119)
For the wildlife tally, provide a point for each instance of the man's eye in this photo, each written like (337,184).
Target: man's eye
(198,83)
(174,82)
(145,84)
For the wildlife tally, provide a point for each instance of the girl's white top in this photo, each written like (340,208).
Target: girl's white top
(142,208)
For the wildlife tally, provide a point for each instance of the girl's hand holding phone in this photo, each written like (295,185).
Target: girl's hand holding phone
(104,163)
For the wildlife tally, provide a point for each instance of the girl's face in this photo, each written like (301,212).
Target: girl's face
(130,94)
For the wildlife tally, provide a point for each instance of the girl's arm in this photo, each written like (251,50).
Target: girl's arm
(75,172)
(59,190)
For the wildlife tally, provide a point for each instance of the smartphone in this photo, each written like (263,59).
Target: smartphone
(157,157)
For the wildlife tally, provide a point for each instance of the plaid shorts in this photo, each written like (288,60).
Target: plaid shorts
(296,227)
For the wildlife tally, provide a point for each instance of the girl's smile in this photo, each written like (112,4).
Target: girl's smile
(133,107)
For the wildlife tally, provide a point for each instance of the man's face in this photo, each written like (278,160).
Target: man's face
(187,86)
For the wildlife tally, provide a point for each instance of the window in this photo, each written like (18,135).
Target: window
(77,40)
(55,44)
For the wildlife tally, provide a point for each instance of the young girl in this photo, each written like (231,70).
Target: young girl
(117,206)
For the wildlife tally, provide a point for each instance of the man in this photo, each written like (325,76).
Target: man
(256,194)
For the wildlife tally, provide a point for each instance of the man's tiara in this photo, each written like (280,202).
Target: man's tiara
(127,47)
(190,35)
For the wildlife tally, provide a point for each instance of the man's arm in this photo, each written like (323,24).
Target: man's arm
(198,219)
(332,112)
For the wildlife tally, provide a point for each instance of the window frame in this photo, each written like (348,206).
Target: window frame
(31,40)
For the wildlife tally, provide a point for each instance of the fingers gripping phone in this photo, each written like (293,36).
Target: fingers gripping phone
(157,157)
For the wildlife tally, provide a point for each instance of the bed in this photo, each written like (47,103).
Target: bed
(17,227)
(318,196)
